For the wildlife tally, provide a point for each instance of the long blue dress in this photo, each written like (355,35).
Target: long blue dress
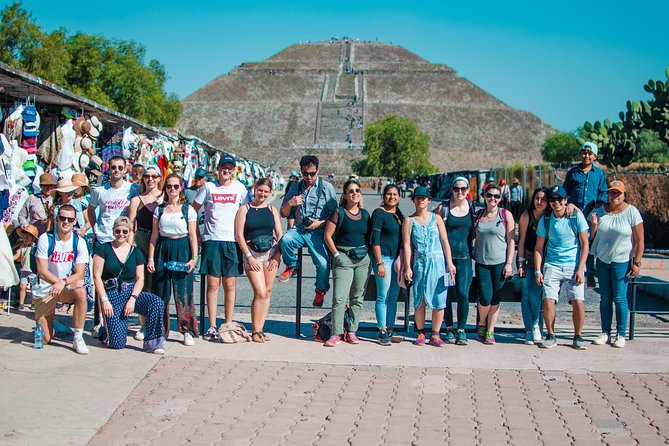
(428,265)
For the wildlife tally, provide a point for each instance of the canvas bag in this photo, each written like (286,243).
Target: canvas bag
(233,332)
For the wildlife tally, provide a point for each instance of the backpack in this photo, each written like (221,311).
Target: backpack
(52,246)
(323,326)
(184,211)
(500,212)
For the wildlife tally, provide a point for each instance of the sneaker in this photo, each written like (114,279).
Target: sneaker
(536,334)
(351,338)
(318,300)
(334,340)
(211,334)
(529,338)
(601,339)
(139,334)
(95,332)
(384,338)
(619,342)
(489,338)
(420,339)
(461,338)
(480,336)
(289,272)
(158,351)
(549,342)
(436,341)
(395,338)
(80,347)
(196,277)
(188,339)
(579,343)
(450,336)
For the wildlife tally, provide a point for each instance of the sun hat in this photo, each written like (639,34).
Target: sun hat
(557,190)
(79,179)
(227,158)
(64,186)
(421,192)
(617,185)
(91,129)
(46,179)
(30,229)
(516,181)
(590,145)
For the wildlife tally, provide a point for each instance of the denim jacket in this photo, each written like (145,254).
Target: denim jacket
(586,190)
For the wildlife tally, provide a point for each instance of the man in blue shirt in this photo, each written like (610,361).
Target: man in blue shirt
(587,189)
(566,242)
(313,200)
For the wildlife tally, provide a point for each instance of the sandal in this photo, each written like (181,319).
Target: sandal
(257,336)
(264,336)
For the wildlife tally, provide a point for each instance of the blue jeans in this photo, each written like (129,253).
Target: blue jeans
(459,293)
(295,239)
(613,289)
(387,292)
(530,303)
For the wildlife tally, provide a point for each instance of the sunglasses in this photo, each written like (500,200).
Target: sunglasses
(116,167)
(121,231)
(555,199)
(495,196)
(173,186)
(226,168)
(309,174)
(459,189)
(67,219)
(354,191)
(151,177)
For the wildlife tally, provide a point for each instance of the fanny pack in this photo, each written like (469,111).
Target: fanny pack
(357,253)
(261,243)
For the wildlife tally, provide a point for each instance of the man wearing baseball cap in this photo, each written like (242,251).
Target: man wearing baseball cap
(587,189)
(566,241)
(221,257)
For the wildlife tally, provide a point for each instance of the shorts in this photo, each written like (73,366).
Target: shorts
(28,277)
(46,306)
(555,276)
(221,259)
(261,257)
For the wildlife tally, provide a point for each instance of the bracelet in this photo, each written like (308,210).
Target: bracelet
(69,288)
(248,255)
(521,259)
(336,254)
(104,298)
(379,263)
(132,295)
(194,259)
(150,259)
(537,272)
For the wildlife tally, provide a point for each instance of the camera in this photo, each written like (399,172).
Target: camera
(111,283)
(307,222)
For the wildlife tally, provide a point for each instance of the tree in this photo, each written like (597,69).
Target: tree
(560,148)
(111,72)
(396,148)
(651,148)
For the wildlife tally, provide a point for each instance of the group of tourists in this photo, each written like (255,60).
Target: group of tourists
(148,241)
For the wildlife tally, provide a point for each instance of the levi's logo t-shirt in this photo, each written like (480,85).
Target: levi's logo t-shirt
(220,208)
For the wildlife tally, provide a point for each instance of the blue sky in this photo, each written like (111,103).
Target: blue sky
(566,62)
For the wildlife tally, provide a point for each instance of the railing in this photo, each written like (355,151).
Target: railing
(632,294)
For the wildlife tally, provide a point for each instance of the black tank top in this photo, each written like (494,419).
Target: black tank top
(259,221)
(531,235)
(144,218)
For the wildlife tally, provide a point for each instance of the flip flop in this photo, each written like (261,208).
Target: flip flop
(264,336)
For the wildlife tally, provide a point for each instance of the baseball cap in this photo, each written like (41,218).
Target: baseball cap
(201,173)
(421,192)
(227,158)
(557,190)
(617,185)
(590,146)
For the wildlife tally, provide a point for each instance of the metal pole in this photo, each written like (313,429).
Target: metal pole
(633,312)
(298,295)
(406,311)
(203,289)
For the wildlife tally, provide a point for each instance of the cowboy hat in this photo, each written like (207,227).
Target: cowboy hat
(46,179)
(30,229)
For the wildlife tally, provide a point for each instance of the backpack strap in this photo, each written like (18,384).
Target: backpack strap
(445,209)
(478,217)
(184,212)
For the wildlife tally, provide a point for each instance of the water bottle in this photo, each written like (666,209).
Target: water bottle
(39,337)
(177,266)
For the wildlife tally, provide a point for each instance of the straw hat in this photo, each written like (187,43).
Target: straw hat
(92,130)
(64,186)
(30,229)
(79,179)
(46,179)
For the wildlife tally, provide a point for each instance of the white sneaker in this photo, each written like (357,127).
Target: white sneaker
(158,351)
(536,334)
(619,342)
(529,338)
(188,339)
(601,339)
(80,347)
(139,335)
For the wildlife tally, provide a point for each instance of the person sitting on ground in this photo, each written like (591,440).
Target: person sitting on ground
(28,236)
(617,233)
(118,272)
(60,268)
(314,200)
(258,227)
(565,242)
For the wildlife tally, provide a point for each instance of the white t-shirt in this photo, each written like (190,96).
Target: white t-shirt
(172,224)
(220,207)
(61,260)
(113,203)
(613,241)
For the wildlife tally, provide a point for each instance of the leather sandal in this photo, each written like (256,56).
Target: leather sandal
(257,336)
(264,336)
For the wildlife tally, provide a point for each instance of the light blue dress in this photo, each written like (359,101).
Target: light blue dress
(428,265)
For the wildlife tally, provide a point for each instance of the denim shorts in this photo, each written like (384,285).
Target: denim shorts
(555,276)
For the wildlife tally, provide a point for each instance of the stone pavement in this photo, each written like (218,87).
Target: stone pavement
(294,391)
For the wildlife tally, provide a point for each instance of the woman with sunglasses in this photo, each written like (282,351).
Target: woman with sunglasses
(427,261)
(257,228)
(493,253)
(386,241)
(174,245)
(527,239)
(118,272)
(346,236)
(458,216)
(617,233)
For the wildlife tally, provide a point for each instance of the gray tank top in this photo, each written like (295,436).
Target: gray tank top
(490,246)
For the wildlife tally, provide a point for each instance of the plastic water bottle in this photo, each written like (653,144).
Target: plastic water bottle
(39,337)
(176,266)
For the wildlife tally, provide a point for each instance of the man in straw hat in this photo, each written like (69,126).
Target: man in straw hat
(37,208)
(22,257)
(61,259)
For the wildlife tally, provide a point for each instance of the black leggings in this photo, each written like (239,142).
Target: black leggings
(459,293)
(492,281)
